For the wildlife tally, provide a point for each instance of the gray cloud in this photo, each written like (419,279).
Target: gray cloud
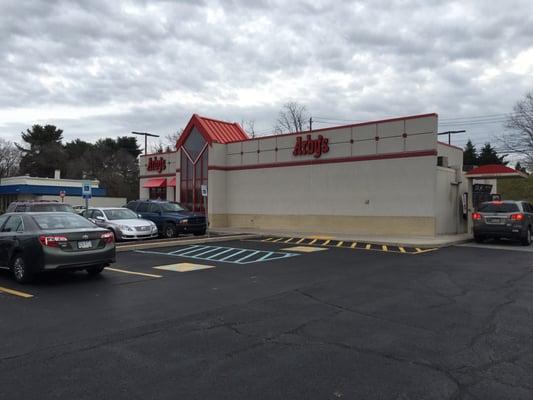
(98,68)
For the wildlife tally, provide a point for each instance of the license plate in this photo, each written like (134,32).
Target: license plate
(494,220)
(86,244)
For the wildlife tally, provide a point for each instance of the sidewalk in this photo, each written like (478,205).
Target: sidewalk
(413,241)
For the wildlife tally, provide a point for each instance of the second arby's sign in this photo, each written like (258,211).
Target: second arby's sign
(310,146)
(155,164)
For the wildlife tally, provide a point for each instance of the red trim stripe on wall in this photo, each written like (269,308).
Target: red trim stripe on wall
(384,156)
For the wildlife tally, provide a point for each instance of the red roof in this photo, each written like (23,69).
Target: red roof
(494,170)
(213,130)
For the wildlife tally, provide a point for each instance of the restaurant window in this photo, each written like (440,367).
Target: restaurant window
(158,193)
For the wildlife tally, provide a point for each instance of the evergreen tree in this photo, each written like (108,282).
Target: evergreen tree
(43,151)
(470,156)
(488,155)
(519,168)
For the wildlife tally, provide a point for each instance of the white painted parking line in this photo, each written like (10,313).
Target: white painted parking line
(209,250)
(232,255)
(219,254)
(223,254)
(253,253)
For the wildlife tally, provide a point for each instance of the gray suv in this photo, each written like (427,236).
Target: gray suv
(124,223)
(504,219)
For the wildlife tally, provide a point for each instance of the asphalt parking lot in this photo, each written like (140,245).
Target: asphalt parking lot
(258,319)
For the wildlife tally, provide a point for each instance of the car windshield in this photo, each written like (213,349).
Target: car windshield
(52,207)
(61,221)
(171,207)
(495,207)
(120,213)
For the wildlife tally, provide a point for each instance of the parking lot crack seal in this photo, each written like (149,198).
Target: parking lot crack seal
(351,310)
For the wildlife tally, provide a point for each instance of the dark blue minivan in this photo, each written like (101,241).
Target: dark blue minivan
(170,217)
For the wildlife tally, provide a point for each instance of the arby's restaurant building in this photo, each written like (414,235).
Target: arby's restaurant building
(387,177)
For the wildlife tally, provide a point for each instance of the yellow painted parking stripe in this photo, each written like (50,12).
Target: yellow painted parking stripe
(326,242)
(304,249)
(384,248)
(288,240)
(134,273)
(418,251)
(300,241)
(313,241)
(184,267)
(340,243)
(15,293)
(267,239)
(354,245)
(368,246)
(277,240)
(402,250)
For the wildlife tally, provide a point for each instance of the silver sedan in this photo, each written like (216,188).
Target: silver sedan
(124,223)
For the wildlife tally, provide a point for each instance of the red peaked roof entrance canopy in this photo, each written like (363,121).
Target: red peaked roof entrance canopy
(212,130)
(492,171)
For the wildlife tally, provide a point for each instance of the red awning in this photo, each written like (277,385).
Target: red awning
(155,182)
(172,182)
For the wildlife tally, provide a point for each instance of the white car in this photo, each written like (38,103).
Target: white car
(124,223)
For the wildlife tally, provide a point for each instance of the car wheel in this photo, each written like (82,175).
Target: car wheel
(201,233)
(479,238)
(95,270)
(115,236)
(526,238)
(170,231)
(20,270)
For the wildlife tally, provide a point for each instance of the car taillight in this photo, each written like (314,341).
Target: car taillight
(517,217)
(107,237)
(52,241)
(476,216)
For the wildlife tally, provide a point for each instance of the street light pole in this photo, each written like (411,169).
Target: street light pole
(145,134)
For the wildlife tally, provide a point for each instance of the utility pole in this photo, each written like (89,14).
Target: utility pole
(145,134)
(310,123)
(450,133)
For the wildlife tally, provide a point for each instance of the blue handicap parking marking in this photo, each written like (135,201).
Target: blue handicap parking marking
(233,255)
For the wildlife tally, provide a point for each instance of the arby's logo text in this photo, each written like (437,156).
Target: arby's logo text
(156,164)
(311,146)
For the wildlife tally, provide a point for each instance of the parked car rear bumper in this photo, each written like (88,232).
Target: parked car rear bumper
(78,260)
(504,231)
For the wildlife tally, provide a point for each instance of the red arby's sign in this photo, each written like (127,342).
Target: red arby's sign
(310,146)
(156,164)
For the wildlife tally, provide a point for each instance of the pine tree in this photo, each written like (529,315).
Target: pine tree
(488,155)
(470,156)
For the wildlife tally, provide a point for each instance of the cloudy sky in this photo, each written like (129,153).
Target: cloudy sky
(100,68)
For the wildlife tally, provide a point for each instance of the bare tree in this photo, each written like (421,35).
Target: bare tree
(292,117)
(167,143)
(10,157)
(249,127)
(519,138)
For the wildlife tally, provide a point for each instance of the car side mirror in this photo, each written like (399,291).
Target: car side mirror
(139,216)
(92,220)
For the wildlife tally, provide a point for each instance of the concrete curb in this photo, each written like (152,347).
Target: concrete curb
(180,242)
(376,241)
